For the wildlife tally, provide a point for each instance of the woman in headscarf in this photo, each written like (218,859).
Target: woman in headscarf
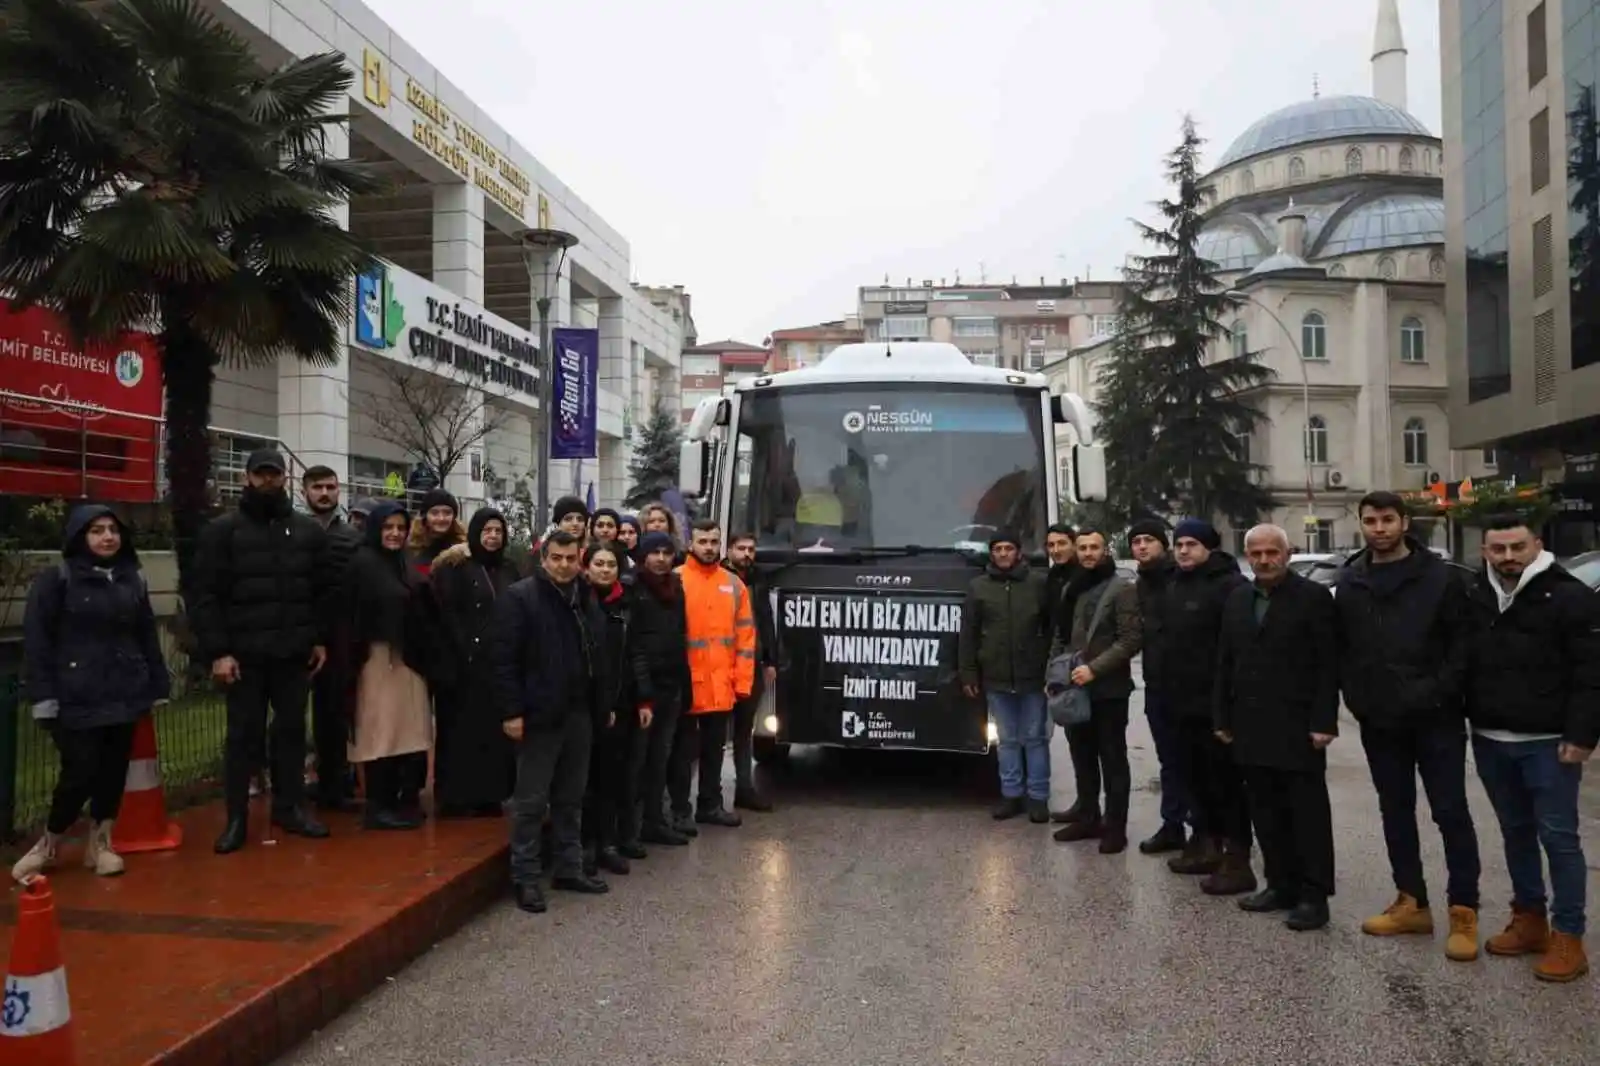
(628,533)
(611,808)
(435,529)
(391,640)
(94,668)
(473,762)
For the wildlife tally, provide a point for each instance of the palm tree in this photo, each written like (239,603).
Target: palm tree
(154,176)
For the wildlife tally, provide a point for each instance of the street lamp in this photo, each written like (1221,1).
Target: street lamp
(543,253)
(1305,393)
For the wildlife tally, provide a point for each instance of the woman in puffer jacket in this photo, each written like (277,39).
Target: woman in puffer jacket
(94,668)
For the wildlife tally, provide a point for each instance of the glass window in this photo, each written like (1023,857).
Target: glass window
(1491,457)
(891,465)
(1352,161)
(1408,160)
(705,366)
(988,357)
(1105,325)
(905,328)
(968,326)
(1313,336)
(1319,538)
(1316,442)
(1483,169)
(1412,348)
(1247,182)
(1415,439)
(1581,58)
(1297,169)
(1240,337)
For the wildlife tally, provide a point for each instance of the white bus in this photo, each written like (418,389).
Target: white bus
(872,483)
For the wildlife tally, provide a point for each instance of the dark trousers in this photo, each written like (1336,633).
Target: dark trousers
(660,742)
(330,737)
(1175,799)
(1221,806)
(701,739)
(1294,823)
(611,808)
(94,770)
(281,689)
(1438,753)
(383,779)
(552,773)
(1100,755)
(744,731)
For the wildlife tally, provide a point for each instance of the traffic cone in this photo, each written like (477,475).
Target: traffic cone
(36,1017)
(142,824)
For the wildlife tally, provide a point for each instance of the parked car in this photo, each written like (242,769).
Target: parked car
(1585,567)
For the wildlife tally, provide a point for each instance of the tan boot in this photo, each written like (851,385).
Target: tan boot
(1400,918)
(99,855)
(41,857)
(1528,933)
(1462,943)
(1564,961)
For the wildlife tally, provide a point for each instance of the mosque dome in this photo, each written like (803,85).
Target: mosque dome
(1323,118)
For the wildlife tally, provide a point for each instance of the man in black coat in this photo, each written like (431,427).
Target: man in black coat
(546,658)
(1187,633)
(263,594)
(1533,697)
(1402,657)
(1276,702)
(330,714)
(742,561)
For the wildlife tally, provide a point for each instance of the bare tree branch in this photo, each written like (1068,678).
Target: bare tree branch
(429,416)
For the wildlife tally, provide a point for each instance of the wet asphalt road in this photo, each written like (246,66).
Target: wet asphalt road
(881,917)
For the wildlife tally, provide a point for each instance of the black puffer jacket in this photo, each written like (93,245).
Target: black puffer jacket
(546,652)
(1153,581)
(343,540)
(264,586)
(1535,667)
(1402,638)
(619,668)
(1183,640)
(660,637)
(89,635)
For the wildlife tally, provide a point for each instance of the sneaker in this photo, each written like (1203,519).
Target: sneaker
(99,855)
(1404,917)
(42,856)
(1462,943)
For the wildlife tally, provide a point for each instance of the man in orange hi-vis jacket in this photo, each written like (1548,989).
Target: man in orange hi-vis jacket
(722,664)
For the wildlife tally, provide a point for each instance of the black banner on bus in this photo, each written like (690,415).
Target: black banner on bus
(875,669)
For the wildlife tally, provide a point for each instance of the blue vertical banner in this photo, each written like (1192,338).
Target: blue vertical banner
(574,392)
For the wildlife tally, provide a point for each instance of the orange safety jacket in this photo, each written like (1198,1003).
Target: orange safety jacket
(722,637)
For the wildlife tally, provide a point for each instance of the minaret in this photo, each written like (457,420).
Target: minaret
(1389,56)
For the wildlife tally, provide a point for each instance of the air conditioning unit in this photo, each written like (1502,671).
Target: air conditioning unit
(1335,479)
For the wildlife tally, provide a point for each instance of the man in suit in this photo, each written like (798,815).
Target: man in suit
(1276,703)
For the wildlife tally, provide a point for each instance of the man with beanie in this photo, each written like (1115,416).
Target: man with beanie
(1147,538)
(1190,615)
(1003,647)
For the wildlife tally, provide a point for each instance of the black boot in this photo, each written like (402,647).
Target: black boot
(234,836)
(297,822)
(683,825)
(718,815)
(1233,876)
(591,861)
(662,833)
(632,850)
(1008,807)
(1086,828)
(611,860)
(1113,839)
(1308,914)
(1266,901)
(1202,855)
(1038,811)
(382,818)
(750,799)
(581,883)
(1167,838)
(1074,813)
(530,898)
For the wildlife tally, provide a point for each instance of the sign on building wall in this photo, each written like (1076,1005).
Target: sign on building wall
(574,388)
(77,421)
(399,313)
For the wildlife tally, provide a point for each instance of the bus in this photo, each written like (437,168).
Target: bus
(872,483)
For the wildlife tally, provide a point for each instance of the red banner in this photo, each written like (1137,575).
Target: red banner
(77,422)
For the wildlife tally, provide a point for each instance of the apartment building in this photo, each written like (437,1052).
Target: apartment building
(803,346)
(711,369)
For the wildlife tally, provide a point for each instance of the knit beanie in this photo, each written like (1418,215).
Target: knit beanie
(1149,527)
(568,505)
(438,498)
(1201,530)
(656,541)
(1005,536)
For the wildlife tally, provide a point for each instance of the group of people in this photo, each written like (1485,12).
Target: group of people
(1244,676)
(586,680)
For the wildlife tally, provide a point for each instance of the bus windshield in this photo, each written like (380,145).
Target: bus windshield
(858,466)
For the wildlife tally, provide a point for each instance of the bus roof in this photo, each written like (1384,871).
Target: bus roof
(897,361)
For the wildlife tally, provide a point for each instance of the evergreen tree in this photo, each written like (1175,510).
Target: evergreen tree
(1170,417)
(654,467)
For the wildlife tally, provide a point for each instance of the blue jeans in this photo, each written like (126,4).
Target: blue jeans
(1023,723)
(1175,809)
(1535,797)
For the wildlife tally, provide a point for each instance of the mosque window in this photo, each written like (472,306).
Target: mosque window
(1352,161)
(1297,169)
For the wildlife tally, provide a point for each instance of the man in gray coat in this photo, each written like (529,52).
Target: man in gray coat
(1107,673)
(1005,635)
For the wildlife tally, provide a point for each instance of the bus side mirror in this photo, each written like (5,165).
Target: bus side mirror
(692,467)
(1088,473)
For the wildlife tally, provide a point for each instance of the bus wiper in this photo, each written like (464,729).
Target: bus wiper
(896,552)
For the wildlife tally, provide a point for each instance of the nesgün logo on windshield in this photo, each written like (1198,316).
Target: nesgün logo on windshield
(879,420)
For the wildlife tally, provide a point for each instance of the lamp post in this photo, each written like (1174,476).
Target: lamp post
(1305,394)
(543,253)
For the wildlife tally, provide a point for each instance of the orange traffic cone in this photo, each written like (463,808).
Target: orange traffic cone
(36,1017)
(142,824)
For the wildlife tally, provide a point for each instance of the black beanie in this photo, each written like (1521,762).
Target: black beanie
(1201,530)
(1005,536)
(438,498)
(568,505)
(1150,527)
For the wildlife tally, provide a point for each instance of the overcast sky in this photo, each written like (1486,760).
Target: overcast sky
(773,157)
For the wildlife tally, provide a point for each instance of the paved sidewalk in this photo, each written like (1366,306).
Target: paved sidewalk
(194,959)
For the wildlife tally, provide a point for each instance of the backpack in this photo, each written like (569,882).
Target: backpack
(1068,701)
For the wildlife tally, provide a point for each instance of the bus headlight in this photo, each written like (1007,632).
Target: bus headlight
(992,733)
(770,724)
